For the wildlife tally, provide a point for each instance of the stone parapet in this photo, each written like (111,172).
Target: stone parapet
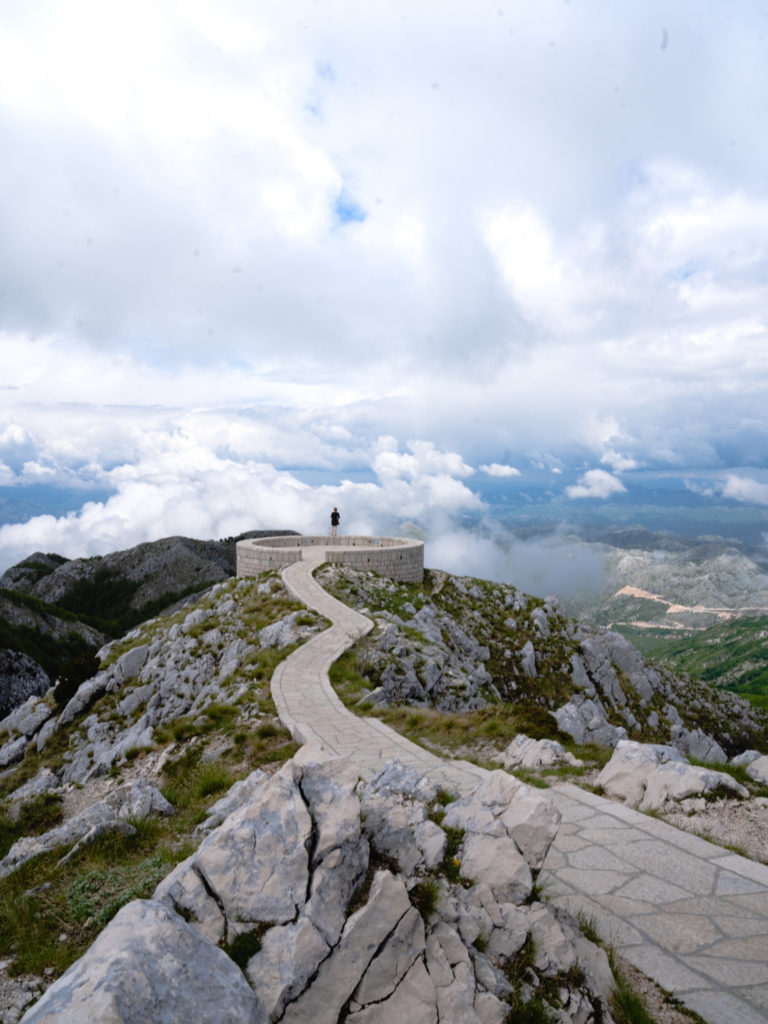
(397,557)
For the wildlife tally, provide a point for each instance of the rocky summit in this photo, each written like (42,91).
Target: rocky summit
(167,851)
(344,901)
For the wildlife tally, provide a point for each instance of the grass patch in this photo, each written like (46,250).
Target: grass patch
(627,1006)
(424,896)
(245,945)
(35,817)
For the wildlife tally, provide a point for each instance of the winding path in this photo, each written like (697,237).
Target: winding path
(687,913)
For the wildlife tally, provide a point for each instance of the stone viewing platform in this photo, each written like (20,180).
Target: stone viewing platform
(400,558)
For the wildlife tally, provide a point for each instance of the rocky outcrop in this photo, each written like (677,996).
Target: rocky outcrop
(155,675)
(150,965)
(354,908)
(652,776)
(468,643)
(20,677)
(133,801)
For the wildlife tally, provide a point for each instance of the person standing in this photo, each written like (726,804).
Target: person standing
(335,519)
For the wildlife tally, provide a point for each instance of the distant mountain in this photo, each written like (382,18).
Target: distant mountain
(59,612)
(664,581)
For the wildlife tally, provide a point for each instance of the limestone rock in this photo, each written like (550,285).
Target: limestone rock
(363,935)
(136,800)
(394,808)
(150,965)
(525,752)
(503,807)
(45,781)
(758,769)
(20,678)
(12,751)
(27,718)
(237,796)
(647,775)
(289,957)
(585,721)
(414,1001)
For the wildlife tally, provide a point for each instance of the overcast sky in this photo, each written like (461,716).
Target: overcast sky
(405,247)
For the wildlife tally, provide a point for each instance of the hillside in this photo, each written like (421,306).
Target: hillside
(732,655)
(103,792)
(59,612)
(667,581)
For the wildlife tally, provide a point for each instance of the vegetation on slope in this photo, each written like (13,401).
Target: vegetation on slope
(732,655)
(50,911)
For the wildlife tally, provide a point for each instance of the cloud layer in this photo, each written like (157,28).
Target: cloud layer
(404,246)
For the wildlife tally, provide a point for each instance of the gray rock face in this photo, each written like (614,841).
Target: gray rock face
(44,782)
(757,769)
(394,805)
(150,965)
(287,860)
(585,721)
(20,678)
(26,718)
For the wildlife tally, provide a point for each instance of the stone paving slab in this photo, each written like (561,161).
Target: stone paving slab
(685,912)
(677,907)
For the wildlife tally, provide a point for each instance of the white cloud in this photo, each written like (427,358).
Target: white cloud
(498,469)
(542,254)
(185,488)
(744,488)
(619,463)
(595,483)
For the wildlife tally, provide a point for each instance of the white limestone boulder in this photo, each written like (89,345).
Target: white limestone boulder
(525,752)
(89,824)
(394,808)
(758,769)
(503,807)
(364,933)
(647,776)
(150,965)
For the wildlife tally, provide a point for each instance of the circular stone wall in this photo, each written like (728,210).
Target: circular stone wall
(397,557)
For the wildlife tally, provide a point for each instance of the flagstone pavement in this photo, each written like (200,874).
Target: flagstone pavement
(687,913)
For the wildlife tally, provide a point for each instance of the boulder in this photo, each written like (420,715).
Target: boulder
(746,757)
(584,720)
(363,936)
(757,769)
(150,965)
(648,775)
(502,807)
(524,752)
(13,751)
(27,718)
(135,800)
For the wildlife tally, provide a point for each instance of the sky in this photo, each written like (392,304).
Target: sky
(434,263)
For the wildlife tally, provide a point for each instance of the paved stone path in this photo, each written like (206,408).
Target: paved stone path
(687,913)
(307,703)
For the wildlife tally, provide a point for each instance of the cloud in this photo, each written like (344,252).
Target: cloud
(744,488)
(185,488)
(295,232)
(555,564)
(595,483)
(619,463)
(497,469)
